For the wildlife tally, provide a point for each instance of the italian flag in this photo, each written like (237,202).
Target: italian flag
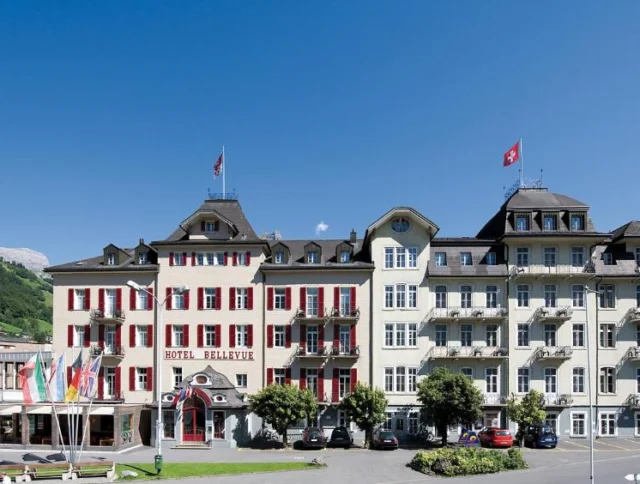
(32,379)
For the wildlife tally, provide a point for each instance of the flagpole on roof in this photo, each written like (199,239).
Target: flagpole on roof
(521,166)
(224,173)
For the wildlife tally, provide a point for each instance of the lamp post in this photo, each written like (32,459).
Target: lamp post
(591,421)
(160,305)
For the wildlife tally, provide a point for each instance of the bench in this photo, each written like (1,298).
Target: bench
(62,470)
(17,472)
(95,469)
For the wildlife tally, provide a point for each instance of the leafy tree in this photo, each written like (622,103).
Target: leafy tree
(366,407)
(282,406)
(448,399)
(529,410)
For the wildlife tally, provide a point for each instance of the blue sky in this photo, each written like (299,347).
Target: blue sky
(112,113)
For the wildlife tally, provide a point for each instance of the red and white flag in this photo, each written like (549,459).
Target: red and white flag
(512,155)
(217,167)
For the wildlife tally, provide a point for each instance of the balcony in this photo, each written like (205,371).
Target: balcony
(553,353)
(494,400)
(340,351)
(336,397)
(107,316)
(557,270)
(467,352)
(633,354)
(117,397)
(345,316)
(109,351)
(310,318)
(633,401)
(563,400)
(632,315)
(553,315)
(457,313)
(311,352)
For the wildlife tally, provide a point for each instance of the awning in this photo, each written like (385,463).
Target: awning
(67,410)
(103,411)
(11,410)
(39,411)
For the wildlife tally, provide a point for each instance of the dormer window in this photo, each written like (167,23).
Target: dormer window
(278,258)
(441,259)
(142,258)
(111,259)
(522,223)
(577,222)
(490,259)
(607,258)
(466,259)
(211,226)
(313,257)
(400,224)
(550,222)
(345,255)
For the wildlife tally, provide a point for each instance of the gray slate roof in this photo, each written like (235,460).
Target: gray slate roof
(624,262)
(328,248)
(97,264)
(531,199)
(220,385)
(630,229)
(478,253)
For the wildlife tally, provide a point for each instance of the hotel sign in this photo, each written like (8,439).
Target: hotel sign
(212,354)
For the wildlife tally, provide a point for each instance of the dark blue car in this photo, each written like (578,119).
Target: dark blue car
(540,436)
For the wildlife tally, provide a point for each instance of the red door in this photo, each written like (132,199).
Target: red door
(193,420)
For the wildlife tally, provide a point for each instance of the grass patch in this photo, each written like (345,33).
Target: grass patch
(460,461)
(202,469)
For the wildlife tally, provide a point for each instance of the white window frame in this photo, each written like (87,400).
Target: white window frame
(78,336)
(581,378)
(279,376)
(492,335)
(550,334)
(553,218)
(142,336)
(491,296)
(527,331)
(402,379)
(78,299)
(242,298)
(439,333)
(525,289)
(440,259)
(577,329)
(491,379)
(441,298)
(614,381)
(142,300)
(615,424)
(143,258)
(345,255)
(466,335)
(550,256)
(279,298)
(179,259)
(177,335)
(210,227)
(210,302)
(313,257)
(401,258)
(279,336)
(578,252)
(111,259)
(407,333)
(242,335)
(606,330)
(466,296)
(177,300)
(466,259)
(491,259)
(550,295)
(468,372)
(552,373)
(523,257)
(241,259)
(526,372)
(604,289)
(585,418)
(242,380)
(279,257)
(141,383)
(577,216)
(209,336)
(177,375)
(577,296)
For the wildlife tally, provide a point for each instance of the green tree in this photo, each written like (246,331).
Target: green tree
(282,406)
(366,407)
(529,410)
(448,399)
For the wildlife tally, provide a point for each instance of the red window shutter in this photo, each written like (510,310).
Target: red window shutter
(321,336)
(336,335)
(303,335)
(150,378)
(303,378)
(269,376)
(218,335)
(101,336)
(150,336)
(193,258)
(70,336)
(70,299)
(168,303)
(185,335)
(320,301)
(132,299)
(170,258)
(270,299)
(200,335)
(119,299)
(218,298)
(270,336)
(250,298)
(250,336)
(287,376)
(186,300)
(101,384)
(353,335)
(101,299)
(232,298)
(232,336)
(200,298)
(248,259)
(184,259)
(119,336)
(287,336)
(132,379)
(235,258)
(87,335)
(167,336)
(87,299)
(303,299)
(150,299)
(132,336)
(320,383)
(202,226)
(335,390)
(226,258)
(287,298)
(354,378)
(352,300)
(336,298)
(118,381)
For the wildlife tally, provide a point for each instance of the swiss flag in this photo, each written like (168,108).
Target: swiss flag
(512,155)
(217,167)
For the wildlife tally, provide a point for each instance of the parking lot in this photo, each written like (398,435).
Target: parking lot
(599,445)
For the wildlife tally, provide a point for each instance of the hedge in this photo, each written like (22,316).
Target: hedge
(463,461)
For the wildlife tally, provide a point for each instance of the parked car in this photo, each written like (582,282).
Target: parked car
(540,435)
(313,438)
(341,437)
(384,439)
(495,437)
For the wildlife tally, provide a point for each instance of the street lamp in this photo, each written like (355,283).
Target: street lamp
(160,305)
(591,421)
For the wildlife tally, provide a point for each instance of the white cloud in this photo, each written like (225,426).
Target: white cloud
(321,227)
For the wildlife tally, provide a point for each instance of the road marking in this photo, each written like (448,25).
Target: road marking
(634,441)
(574,443)
(614,446)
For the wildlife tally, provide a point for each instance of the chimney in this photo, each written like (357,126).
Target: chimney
(352,236)
(141,241)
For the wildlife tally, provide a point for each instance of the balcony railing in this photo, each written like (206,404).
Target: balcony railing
(107,351)
(633,400)
(553,353)
(562,400)
(307,352)
(116,397)
(476,313)
(494,399)
(633,354)
(553,315)
(307,317)
(337,397)
(340,351)
(555,270)
(345,316)
(100,315)
(632,315)
(467,352)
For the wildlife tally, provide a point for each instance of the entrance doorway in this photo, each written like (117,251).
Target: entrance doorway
(193,420)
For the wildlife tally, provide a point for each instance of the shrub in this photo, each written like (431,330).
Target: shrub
(463,461)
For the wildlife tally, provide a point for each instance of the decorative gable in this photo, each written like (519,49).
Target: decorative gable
(344,252)
(280,253)
(145,254)
(114,256)
(312,253)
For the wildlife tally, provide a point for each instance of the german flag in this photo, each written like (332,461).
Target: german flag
(74,385)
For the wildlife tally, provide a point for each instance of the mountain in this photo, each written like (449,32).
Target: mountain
(26,301)
(32,260)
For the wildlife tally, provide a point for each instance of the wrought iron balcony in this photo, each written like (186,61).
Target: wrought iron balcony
(100,315)
(556,270)
(553,315)
(633,400)
(115,398)
(345,316)
(458,313)
(494,399)
(336,397)
(108,351)
(340,351)
(633,354)
(309,352)
(632,315)
(467,352)
(547,353)
(309,317)
(562,400)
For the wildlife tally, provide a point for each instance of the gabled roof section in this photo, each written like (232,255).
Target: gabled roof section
(541,199)
(96,264)
(630,229)
(409,212)
(297,249)
(478,249)
(312,244)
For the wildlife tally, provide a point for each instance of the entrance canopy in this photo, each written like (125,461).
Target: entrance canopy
(213,388)
(11,410)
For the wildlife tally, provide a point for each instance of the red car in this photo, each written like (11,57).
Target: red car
(495,437)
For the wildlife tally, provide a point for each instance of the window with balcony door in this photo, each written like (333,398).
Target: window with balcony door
(550,334)
(522,257)
(577,256)
(142,337)
(607,296)
(210,335)
(78,299)
(242,335)
(441,297)
(522,223)
(608,380)
(577,333)
(491,380)
(466,259)
(523,335)
(177,335)
(551,380)
(491,335)
(492,296)
(549,256)
(312,339)
(401,295)
(142,300)
(412,293)
(466,335)
(312,380)
(109,382)
(523,380)
(466,296)
(345,301)
(78,336)
(577,295)
(607,335)
(312,301)
(401,375)
(177,375)
(441,335)
(401,258)
(578,380)
(279,336)
(388,297)
(523,295)
(344,338)
(111,302)
(550,222)
(490,259)
(344,376)
(550,296)
(177,300)
(242,298)
(441,259)
(577,222)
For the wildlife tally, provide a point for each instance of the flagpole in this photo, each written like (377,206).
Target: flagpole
(84,430)
(224,172)
(521,166)
(48,388)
